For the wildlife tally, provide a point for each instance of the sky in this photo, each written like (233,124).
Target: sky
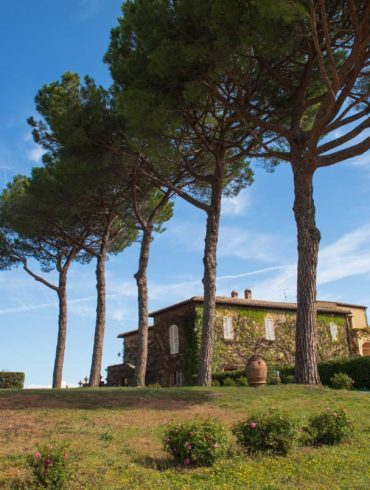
(40,40)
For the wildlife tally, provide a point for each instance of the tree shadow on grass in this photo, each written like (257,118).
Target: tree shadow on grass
(159,463)
(171,399)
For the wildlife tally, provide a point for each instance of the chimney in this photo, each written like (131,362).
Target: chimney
(247,293)
(234,294)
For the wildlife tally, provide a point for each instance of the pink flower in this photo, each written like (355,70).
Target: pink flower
(187,445)
(253,425)
(48,461)
(187,461)
(191,434)
(66,455)
(216,445)
(37,455)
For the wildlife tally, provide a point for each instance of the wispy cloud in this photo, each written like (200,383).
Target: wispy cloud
(245,244)
(234,241)
(361,161)
(89,8)
(238,205)
(35,154)
(346,257)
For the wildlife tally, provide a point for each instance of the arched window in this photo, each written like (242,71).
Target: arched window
(366,349)
(174,339)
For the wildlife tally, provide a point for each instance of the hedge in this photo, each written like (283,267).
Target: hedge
(10,380)
(233,375)
(357,368)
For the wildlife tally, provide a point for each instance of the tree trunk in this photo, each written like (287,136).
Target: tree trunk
(308,236)
(62,330)
(97,355)
(209,283)
(142,286)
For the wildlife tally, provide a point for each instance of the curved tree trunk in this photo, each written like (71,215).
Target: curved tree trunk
(308,236)
(142,286)
(209,283)
(97,355)
(62,330)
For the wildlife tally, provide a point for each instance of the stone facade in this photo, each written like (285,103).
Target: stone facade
(165,364)
(123,374)
(249,321)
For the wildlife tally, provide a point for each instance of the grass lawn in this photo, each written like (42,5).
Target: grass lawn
(115,434)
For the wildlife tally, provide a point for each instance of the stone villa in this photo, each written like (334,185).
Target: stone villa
(244,326)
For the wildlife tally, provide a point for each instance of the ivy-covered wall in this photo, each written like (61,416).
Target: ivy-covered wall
(249,339)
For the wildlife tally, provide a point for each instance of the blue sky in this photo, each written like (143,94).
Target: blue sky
(40,41)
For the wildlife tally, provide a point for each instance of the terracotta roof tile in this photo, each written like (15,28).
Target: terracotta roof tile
(225,300)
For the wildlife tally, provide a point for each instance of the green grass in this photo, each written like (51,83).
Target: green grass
(115,435)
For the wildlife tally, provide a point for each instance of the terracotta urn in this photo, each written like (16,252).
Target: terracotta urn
(256,371)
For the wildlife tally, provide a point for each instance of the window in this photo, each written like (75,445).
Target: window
(228,328)
(174,339)
(333,332)
(177,378)
(366,349)
(269,329)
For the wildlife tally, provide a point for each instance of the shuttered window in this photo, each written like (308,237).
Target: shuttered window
(228,328)
(333,332)
(174,339)
(269,329)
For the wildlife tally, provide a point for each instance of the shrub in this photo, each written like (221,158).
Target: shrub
(286,373)
(196,443)
(233,375)
(241,381)
(358,368)
(341,381)
(272,433)
(154,386)
(289,379)
(9,380)
(329,427)
(229,382)
(51,467)
(273,376)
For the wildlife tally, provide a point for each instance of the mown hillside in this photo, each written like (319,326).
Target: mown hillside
(115,437)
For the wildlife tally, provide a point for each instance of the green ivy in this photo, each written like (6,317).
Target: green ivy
(192,334)
(249,332)
(327,319)
(253,315)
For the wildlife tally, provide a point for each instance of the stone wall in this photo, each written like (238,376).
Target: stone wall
(130,350)
(120,375)
(166,364)
(250,338)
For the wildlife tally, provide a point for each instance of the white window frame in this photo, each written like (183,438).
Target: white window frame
(174,339)
(228,328)
(177,378)
(333,331)
(269,329)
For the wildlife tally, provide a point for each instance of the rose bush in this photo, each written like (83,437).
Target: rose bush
(273,433)
(196,443)
(51,467)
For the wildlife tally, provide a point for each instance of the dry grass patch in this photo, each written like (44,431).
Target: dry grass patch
(116,436)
